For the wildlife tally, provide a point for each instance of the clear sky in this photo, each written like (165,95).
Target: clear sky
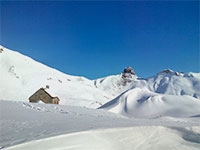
(96,39)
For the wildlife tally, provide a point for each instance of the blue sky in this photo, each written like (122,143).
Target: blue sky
(96,39)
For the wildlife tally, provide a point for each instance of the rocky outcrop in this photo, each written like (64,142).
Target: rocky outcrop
(129,70)
(1,50)
(171,72)
(127,75)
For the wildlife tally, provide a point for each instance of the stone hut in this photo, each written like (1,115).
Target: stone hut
(44,96)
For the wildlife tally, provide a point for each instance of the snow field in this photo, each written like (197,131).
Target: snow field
(132,138)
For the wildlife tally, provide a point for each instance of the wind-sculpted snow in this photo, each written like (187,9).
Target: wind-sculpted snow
(166,94)
(143,103)
(22,122)
(141,138)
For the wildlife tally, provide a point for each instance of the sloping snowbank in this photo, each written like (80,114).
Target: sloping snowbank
(22,122)
(143,103)
(22,76)
(142,138)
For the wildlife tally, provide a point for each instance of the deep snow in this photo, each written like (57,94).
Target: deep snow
(23,122)
(142,103)
(141,138)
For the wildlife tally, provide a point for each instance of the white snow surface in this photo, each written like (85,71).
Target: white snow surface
(46,126)
(142,103)
(142,138)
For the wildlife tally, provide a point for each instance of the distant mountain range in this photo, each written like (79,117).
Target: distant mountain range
(168,93)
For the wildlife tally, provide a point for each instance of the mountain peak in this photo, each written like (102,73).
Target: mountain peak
(129,70)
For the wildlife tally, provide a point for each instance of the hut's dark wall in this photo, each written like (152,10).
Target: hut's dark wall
(41,95)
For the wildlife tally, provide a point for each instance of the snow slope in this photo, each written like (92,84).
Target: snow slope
(41,126)
(143,138)
(115,84)
(21,76)
(143,103)
(166,82)
(175,83)
(168,93)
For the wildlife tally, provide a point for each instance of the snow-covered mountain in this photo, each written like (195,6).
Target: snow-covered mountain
(166,93)
(21,76)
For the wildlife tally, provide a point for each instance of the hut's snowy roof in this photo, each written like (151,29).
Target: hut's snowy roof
(50,92)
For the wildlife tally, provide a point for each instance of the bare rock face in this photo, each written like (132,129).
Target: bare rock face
(127,75)
(1,50)
(171,72)
(129,70)
(167,71)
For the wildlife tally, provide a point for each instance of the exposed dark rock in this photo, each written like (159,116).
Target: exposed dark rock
(1,50)
(127,75)
(129,70)
(168,71)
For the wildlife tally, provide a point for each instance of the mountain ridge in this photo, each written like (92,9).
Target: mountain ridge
(22,76)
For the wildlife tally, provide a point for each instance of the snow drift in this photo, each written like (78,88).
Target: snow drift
(168,93)
(143,138)
(40,126)
(143,103)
